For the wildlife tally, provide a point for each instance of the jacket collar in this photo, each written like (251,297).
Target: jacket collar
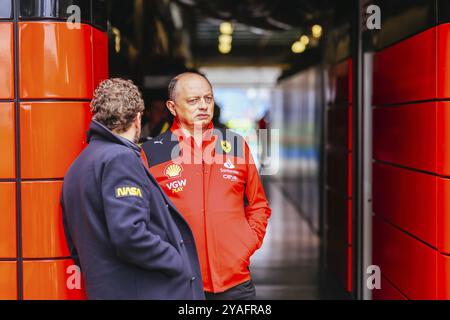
(98,131)
(181,134)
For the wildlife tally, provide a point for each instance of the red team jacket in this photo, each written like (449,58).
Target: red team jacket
(218,190)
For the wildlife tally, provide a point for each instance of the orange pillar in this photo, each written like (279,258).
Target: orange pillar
(48,72)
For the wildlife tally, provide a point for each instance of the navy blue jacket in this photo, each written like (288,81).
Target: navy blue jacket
(126,235)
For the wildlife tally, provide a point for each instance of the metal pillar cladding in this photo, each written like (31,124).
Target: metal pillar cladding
(358,151)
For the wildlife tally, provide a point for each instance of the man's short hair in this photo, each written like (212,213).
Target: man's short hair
(173,83)
(116,104)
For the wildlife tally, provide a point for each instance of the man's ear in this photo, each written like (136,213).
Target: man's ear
(138,119)
(171,106)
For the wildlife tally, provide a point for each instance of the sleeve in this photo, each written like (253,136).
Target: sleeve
(257,210)
(128,214)
(70,245)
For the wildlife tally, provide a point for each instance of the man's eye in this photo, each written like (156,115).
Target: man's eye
(192,101)
(209,99)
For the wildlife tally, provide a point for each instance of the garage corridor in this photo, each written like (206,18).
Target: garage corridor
(287,266)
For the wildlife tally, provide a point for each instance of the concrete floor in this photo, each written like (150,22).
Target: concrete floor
(287,265)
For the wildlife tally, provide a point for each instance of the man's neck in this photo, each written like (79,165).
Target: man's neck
(195,132)
(129,135)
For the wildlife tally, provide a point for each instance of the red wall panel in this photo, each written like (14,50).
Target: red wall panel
(337,133)
(443,276)
(42,228)
(55,61)
(405,135)
(62,67)
(407,199)
(408,263)
(408,135)
(99,57)
(338,210)
(6,61)
(339,251)
(415,135)
(8,280)
(443,215)
(52,136)
(443,67)
(339,172)
(387,292)
(415,69)
(7,141)
(416,202)
(47,280)
(8,220)
(406,71)
(443,138)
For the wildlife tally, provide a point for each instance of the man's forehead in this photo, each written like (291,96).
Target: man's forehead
(193,82)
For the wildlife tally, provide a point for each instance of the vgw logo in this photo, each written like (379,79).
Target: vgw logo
(176,186)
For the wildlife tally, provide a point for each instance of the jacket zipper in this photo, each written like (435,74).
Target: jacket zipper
(204,221)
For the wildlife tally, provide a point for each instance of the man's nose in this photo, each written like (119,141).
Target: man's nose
(202,105)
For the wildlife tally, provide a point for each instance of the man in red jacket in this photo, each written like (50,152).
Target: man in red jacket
(210,176)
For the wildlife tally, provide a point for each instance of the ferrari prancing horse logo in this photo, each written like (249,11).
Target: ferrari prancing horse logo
(226,146)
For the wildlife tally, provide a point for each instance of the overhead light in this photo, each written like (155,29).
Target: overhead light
(225,38)
(304,39)
(226,28)
(117,39)
(316,31)
(224,48)
(298,47)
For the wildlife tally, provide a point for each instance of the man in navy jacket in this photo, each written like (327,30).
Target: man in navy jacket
(124,233)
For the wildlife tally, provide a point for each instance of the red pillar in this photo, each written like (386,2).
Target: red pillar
(47,76)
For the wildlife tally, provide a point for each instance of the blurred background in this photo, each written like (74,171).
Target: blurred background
(355,92)
(264,59)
